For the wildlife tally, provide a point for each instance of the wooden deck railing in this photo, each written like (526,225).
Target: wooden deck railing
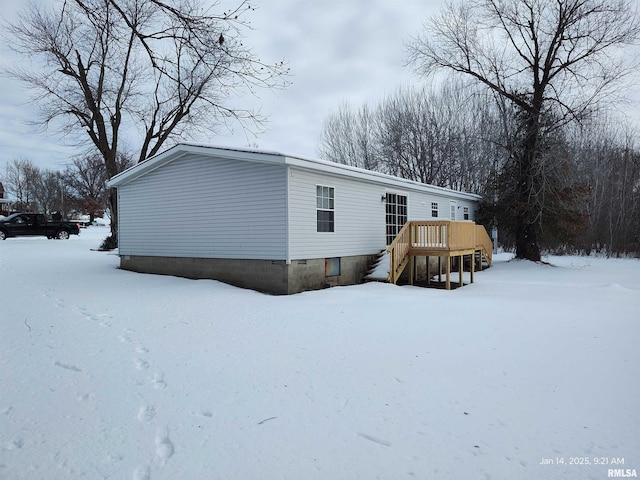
(484,244)
(399,252)
(436,237)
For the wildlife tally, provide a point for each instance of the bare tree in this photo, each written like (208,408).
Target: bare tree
(348,137)
(609,162)
(50,192)
(21,181)
(553,60)
(86,180)
(408,135)
(450,136)
(163,69)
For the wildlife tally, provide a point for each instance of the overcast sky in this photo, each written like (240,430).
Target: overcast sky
(338,51)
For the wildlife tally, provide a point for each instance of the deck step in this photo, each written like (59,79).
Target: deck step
(378,270)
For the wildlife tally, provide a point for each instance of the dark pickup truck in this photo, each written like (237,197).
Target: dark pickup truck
(35,224)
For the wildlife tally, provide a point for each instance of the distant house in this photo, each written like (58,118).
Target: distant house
(264,220)
(5,204)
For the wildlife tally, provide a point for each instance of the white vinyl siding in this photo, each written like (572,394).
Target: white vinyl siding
(360,214)
(197,206)
(359,217)
(421,206)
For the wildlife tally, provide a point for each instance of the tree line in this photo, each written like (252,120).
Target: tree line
(460,137)
(81,188)
(530,133)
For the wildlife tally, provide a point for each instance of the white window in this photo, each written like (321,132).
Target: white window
(466,213)
(325,197)
(434,209)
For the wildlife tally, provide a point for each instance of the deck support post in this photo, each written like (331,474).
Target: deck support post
(412,268)
(428,271)
(439,269)
(448,273)
(473,265)
(460,270)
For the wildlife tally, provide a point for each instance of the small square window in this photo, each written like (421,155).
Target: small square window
(332,267)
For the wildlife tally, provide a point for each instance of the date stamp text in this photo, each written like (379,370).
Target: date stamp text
(615,466)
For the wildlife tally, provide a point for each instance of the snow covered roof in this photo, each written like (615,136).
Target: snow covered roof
(261,156)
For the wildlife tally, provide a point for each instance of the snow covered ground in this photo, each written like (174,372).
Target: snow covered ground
(108,374)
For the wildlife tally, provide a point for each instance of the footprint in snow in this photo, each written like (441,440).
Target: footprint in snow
(16,444)
(141,364)
(100,319)
(146,413)
(164,447)
(141,473)
(158,381)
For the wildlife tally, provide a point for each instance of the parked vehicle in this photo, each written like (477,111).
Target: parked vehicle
(36,224)
(83,221)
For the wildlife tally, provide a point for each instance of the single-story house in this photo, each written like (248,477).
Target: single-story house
(264,220)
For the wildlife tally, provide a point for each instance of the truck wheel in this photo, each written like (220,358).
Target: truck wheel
(3,235)
(62,235)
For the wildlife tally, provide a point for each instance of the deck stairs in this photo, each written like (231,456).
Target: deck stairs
(445,239)
(378,268)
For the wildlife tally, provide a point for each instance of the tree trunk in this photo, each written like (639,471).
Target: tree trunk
(526,220)
(113,203)
(526,242)
(111,164)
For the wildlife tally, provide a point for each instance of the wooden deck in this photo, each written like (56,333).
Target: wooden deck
(438,238)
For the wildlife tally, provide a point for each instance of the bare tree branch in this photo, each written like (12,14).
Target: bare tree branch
(554,60)
(163,69)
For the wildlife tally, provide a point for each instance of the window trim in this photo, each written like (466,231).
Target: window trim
(453,210)
(392,230)
(435,209)
(332,267)
(330,208)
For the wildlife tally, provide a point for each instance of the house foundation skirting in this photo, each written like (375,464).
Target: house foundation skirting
(270,276)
